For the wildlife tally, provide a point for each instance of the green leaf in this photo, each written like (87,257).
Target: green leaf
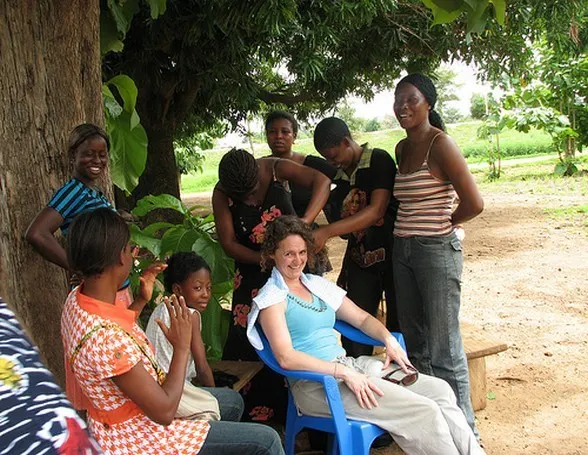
(161,201)
(448,5)
(157,7)
(178,239)
(441,16)
(491,395)
(128,92)
(153,228)
(500,10)
(122,12)
(477,18)
(113,108)
(110,38)
(215,327)
(128,151)
(145,240)
(224,288)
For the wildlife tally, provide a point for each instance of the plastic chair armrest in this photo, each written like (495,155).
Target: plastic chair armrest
(348,331)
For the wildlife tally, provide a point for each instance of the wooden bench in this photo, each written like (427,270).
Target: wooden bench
(478,345)
(243,370)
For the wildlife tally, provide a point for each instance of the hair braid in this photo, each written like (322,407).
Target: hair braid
(238,172)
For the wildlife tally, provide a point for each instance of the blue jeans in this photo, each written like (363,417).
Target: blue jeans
(427,278)
(240,438)
(230,403)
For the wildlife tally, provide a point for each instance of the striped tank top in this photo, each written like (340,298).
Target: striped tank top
(425,202)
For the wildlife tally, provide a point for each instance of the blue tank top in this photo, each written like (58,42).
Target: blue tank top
(311,328)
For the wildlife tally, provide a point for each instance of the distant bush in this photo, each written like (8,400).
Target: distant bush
(478,106)
(479,151)
(452,115)
(372,125)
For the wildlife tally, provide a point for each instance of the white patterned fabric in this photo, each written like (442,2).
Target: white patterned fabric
(276,290)
(163,348)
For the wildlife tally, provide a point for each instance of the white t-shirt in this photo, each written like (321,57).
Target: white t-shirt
(163,348)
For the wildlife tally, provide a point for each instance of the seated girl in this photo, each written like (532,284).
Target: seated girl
(297,313)
(188,276)
(131,402)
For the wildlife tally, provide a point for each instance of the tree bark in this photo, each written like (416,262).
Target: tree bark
(50,81)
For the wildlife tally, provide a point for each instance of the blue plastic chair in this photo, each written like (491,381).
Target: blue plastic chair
(348,437)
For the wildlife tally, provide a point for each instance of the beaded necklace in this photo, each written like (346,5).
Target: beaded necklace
(322,306)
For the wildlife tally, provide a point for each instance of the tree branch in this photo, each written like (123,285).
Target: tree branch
(288,99)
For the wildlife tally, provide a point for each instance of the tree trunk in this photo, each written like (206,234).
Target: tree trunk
(161,172)
(50,81)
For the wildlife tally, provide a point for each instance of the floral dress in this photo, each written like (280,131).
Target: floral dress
(265,396)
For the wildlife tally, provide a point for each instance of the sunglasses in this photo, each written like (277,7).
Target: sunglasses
(405,380)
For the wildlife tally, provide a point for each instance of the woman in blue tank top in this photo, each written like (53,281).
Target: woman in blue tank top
(297,313)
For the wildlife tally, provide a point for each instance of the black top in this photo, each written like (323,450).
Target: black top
(300,194)
(376,169)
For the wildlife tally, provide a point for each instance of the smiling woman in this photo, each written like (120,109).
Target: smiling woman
(87,151)
(88,147)
(427,258)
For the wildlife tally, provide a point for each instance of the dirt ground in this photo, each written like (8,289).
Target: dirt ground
(525,282)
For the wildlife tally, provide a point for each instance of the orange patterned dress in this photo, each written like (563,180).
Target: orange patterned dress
(102,341)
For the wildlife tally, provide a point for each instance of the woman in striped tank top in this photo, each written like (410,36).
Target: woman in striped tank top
(427,256)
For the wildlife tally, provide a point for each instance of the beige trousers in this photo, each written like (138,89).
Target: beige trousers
(423,418)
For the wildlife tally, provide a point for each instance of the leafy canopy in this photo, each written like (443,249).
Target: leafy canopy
(221,59)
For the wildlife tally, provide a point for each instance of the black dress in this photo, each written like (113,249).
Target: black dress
(266,395)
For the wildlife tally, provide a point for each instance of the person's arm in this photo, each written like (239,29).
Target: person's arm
(362,320)
(273,323)
(223,220)
(382,172)
(203,371)
(309,178)
(146,283)
(363,219)
(160,403)
(41,235)
(446,154)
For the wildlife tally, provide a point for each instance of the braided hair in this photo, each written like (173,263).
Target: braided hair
(425,85)
(330,132)
(238,173)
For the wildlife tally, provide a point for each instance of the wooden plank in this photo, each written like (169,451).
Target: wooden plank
(478,343)
(242,369)
(477,371)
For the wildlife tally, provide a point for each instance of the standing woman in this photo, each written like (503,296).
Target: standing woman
(281,129)
(250,194)
(87,152)
(428,255)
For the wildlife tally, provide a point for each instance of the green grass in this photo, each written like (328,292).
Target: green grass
(512,143)
(571,211)
(536,178)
